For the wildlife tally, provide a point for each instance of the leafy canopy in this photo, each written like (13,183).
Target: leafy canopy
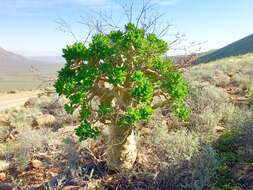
(116,78)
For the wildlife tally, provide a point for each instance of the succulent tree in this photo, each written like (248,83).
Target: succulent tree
(119,79)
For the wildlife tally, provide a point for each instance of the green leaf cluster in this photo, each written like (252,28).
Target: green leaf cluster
(134,115)
(122,70)
(143,90)
(105,108)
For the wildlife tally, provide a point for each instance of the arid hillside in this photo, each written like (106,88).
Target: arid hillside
(240,47)
(213,150)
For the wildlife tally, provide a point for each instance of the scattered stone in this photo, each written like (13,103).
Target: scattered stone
(67,129)
(164,123)
(146,131)
(71,187)
(2,176)
(46,119)
(29,103)
(37,164)
(52,174)
(242,99)
(92,185)
(4,120)
(219,129)
(11,137)
(4,165)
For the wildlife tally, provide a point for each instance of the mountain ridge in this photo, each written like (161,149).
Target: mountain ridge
(12,63)
(239,47)
(18,72)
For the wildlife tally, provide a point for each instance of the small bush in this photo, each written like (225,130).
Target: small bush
(233,147)
(185,162)
(4,130)
(209,105)
(23,117)
(71,150)
(29,142)
(228,156)
(242,81)
(250,96)
(54,105)
(12,92)
(175,146)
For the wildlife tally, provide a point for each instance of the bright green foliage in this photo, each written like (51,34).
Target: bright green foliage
(181,111)
(132,116)
(123,71)
(105,108)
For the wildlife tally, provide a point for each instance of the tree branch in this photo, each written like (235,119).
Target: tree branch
(162,104)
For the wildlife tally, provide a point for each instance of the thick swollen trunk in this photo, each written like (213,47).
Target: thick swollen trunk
(122,151)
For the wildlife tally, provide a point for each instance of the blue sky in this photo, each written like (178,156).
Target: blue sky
(29,27)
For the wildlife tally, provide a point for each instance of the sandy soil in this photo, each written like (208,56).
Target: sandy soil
(15,100)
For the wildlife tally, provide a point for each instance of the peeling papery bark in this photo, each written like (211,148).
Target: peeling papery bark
(122,151)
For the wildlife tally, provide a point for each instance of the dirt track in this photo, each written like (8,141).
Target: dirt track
(15,100)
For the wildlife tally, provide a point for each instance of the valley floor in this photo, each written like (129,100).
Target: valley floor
(8,100)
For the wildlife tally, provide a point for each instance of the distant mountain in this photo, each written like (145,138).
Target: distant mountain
(239,47)
(5,53)
(18,72)
(52,59)
(11,63)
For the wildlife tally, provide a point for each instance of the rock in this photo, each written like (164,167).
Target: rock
(6,186)
(32,102)
(4,165)
(37,164)
(52,174)
(164,123)
(70,187)
(4,120)
(67,129)
(146,131)
(46,119)
(218,129)
(2,176)
(11,137)
(92,185)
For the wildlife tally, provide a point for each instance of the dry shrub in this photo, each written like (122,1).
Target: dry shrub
(29,143)
(23,117)
(209,105)
(185,161)
(55,107)
(175,141)
(250,96)
(80,164)
(4,130)
(242,81)
(225,72)
(71,150)
(242,129)
(211,73)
